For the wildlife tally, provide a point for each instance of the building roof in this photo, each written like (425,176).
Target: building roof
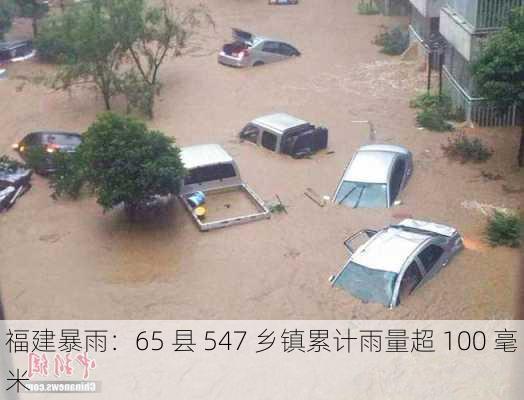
(389,249)
(279,122)
(203,155)
(370,166)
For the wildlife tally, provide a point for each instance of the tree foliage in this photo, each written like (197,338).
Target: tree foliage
(7,9)
(119,45)
(82,40)
(34,9)
(499,71)
(122,162)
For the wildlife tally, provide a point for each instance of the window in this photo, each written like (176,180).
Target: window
(396,179)
(410,280)
(210,173)
(271,47)
(287,50)
(430,255)
(63,139)
(269,141)
(359,194)
(249,133)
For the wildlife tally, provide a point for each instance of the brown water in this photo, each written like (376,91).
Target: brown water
(69,260)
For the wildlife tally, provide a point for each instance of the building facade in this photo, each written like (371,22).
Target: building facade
(424,26)
(466,24)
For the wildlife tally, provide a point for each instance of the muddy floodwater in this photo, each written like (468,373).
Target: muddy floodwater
(67,259)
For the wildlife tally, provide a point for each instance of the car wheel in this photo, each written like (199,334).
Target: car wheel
(258,63)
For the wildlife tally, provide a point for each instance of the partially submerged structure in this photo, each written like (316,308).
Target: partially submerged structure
(213,191)
(283,133)
(466,24)
(14,182)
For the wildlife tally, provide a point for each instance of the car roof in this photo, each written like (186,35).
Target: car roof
(13,44)
(370,165)
(203,155)
(278,122)
(389,249)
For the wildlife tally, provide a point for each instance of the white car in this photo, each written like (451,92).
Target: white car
(395,260)
(374,177)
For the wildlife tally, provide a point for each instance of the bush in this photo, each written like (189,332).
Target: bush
(36,158)
(368,8)
(68,177)
(393,42)
(7,164)
(465,149)
(432,118)
(504,229)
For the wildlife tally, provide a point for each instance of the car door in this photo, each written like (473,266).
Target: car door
(396,179)
(431,258)
(250,133)
(271,52)
(409,281)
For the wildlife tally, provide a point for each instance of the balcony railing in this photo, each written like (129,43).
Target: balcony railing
(484,14)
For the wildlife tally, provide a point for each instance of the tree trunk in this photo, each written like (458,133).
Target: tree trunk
(35,27)
(521,147)
(106,101)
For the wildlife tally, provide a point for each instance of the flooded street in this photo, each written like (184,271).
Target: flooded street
(68,260)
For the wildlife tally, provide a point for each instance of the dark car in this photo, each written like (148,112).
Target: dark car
(14,182)
(48,143)
(16,51)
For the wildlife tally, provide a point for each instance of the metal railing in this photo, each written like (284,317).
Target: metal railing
(477,109)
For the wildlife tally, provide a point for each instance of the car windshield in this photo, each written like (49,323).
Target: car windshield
(361,194)
(63,139)
(369,285)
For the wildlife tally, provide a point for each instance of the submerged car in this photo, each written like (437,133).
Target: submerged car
(14,182)
(396,260)
(16,51)
(283,2)
(249,50)
(374,177)
(283,133)
(49,143)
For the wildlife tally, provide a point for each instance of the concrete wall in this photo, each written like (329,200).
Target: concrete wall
(454,30)
(428,8)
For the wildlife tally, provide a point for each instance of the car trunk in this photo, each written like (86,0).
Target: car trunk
(234,49)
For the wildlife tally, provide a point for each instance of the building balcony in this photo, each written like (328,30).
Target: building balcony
(482,15)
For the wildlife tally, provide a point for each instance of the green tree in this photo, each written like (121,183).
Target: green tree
(150,35)
(6,16)
(499,71)
(119,45)
(124,162)
(82,41)
(34,9)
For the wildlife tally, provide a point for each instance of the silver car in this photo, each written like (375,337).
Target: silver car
(396,260)
(250,50)
(374,177)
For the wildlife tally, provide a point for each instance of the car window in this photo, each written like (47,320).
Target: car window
(269,140)
(249,133)
(63,139)
(210,173)
(369,285)
(360,194)
(410,280)
(430,255)
(396,179)
(286,49)
(271,47)
(32,139)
